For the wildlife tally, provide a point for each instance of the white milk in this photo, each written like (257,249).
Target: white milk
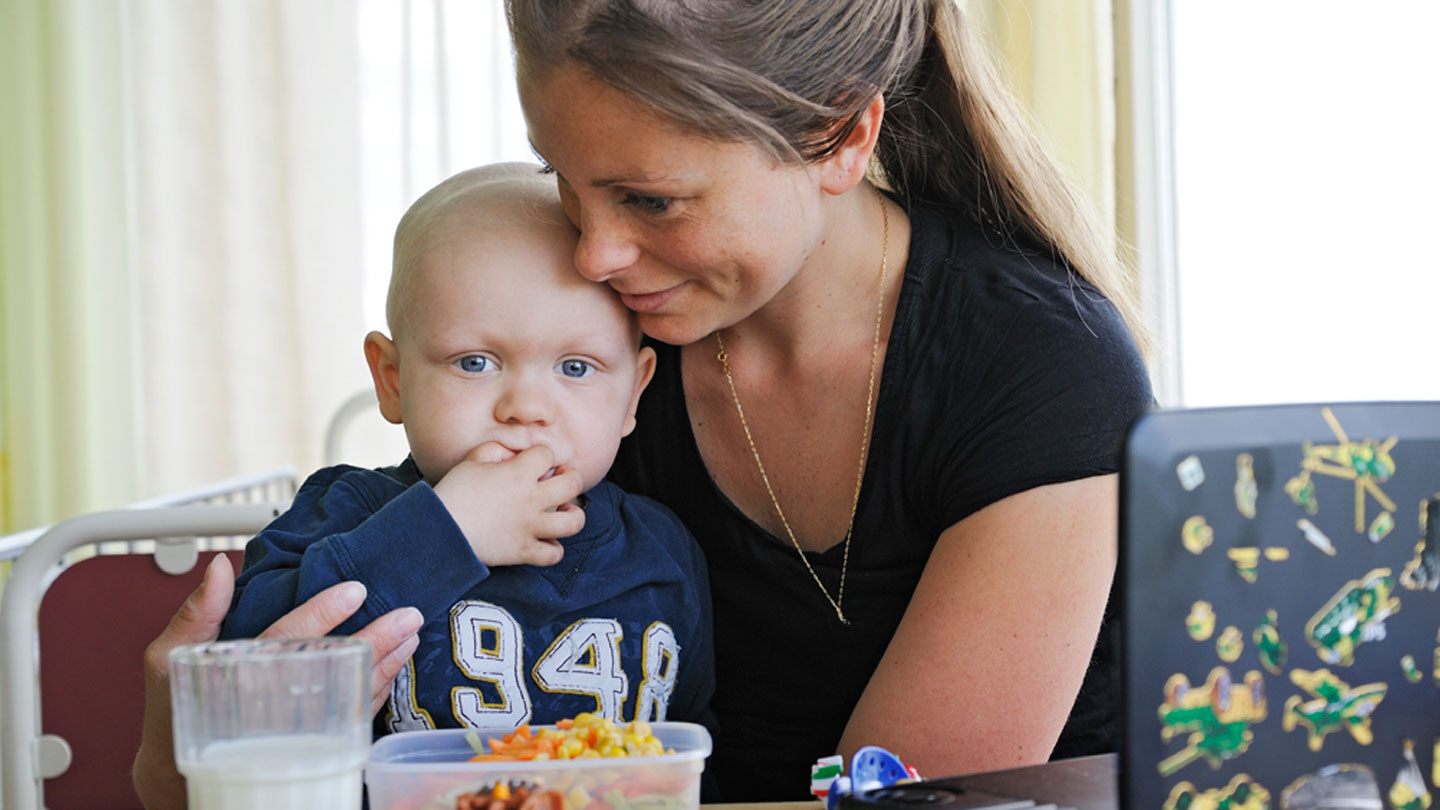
(280,772)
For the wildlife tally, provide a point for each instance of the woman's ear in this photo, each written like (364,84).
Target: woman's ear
(384,362)
(644,371)
(845,168)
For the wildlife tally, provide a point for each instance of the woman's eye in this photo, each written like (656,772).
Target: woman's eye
(647,203)
(474,364)
(575,368)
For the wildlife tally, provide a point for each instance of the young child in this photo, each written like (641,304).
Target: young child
(515,379)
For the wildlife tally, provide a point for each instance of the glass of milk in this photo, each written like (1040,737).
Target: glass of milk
(272,724)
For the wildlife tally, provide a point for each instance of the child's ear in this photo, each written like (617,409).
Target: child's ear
(845,168)
(384,362)
(644,371)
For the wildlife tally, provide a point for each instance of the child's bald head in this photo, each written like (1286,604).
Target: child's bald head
(476,204)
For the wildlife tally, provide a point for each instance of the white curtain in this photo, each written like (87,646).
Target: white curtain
(246,232)
(196,204)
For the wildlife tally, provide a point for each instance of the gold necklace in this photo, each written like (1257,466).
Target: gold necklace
(839,600)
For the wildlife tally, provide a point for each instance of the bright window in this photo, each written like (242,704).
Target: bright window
(1307,169)
(437,96)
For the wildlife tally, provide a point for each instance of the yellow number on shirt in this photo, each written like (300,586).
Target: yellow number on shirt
(489,648)
(585,660)
(660,665)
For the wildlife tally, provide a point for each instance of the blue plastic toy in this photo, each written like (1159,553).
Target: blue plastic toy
(872,767)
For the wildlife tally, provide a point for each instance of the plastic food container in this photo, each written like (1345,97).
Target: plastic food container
(428,770)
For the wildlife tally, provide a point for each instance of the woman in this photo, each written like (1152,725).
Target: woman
(892,419)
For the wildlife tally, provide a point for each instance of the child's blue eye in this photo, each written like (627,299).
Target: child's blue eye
(647,203)
(474,363)
(575,368)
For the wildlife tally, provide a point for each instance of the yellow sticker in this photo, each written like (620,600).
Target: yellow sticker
(1240,794)
(1217,715)
(1422,573)
(1380,527)
(1335,706)
(1366,462)
(1196,535)
(1230,644)
(1412,672)
(1408,791)
(1354,615)
(1435,764)
(1200,624)
(1268,644)
(1247,560)
(1246,491)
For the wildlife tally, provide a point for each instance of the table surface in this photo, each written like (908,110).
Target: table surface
(1082,783)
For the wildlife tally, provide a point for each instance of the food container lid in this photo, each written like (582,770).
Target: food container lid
(446,750)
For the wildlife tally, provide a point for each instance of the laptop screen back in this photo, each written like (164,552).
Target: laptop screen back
(1279,573)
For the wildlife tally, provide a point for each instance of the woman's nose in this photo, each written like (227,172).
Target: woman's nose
(606,247)
(524,401)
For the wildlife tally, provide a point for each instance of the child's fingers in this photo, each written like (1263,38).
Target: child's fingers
(561,488)
(536,460)
(564,522)
(491,453)
(543,553)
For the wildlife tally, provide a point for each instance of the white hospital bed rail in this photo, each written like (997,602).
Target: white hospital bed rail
(273,486)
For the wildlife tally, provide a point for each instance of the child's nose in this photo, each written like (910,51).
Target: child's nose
(524,401)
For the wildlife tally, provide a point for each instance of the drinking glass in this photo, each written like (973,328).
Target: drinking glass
(273,724)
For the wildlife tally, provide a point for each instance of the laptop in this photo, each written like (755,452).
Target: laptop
(1278,573)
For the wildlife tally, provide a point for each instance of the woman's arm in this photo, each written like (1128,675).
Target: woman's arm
(986,663)
(159,785)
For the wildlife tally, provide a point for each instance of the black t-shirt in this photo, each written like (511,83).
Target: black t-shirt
(1003,372)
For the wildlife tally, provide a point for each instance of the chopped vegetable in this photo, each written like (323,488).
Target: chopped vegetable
(586,735)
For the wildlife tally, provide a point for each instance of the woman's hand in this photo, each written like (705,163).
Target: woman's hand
(158,783)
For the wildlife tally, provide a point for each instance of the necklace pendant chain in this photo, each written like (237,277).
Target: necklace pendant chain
(838,600)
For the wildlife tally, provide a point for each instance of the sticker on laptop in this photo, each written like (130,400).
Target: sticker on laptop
(1247,559)
(1216,715)
(1334,705)
(1354,615)
(1246,490)
(1200,623)
(1241,794)
(1346,785)
(1268,644)
(1422,573)
(1409,791)
(1196,535)
(1230,644)
(1366,462)
(1190,473)
(1315,537)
